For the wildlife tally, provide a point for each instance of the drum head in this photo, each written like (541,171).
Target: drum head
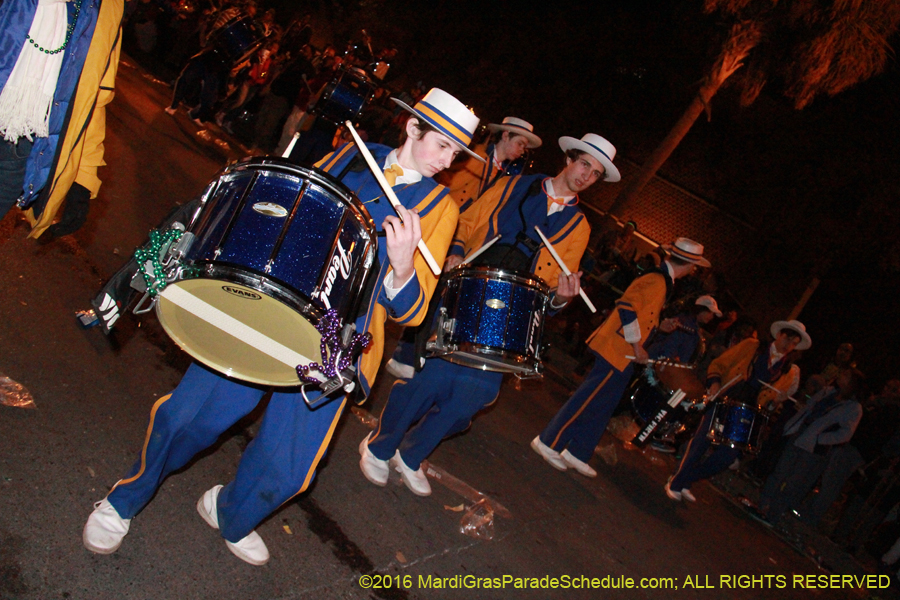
(678,378)
(238,331)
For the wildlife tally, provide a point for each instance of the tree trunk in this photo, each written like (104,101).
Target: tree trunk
(662,152)
(744,37)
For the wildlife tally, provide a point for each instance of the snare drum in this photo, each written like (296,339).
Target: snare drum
(492,320)
(274,247)
(236,41)
(736,425)
(344,96)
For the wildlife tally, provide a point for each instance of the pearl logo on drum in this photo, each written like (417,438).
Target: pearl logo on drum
(495,304)
(340,263)
(270,209)
(241,292)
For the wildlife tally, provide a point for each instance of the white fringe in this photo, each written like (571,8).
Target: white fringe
(24,112)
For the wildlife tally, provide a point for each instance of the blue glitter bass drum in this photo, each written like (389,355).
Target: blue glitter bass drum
(736,425)
(270,250)
(492,319)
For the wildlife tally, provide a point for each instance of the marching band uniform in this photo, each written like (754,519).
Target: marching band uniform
(572,435)
(281,460)
(442,399)
(471,179)
(449,395)
(749,363)
(578,426)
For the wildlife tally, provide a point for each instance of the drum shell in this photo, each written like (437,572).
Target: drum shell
(235,41)
(344,97)
(737,425)
(288,241)
(497,319)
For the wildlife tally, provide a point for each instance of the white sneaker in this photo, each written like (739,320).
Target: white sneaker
(672,493)
(105,529)
(577,464)
(398,369)
(687,495)
(250,549)
(416,481)
(374,469)
(549,454)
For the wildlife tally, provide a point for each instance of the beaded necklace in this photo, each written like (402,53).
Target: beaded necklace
(69,30)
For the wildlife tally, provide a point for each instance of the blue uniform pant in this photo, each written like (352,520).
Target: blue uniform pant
(580,423)
(694,467)
(278,464)
(438,402)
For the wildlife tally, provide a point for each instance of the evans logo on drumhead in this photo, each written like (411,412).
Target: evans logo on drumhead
(495,304)
(270,209)
(242,293)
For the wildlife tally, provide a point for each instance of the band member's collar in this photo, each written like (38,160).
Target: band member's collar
(409,175)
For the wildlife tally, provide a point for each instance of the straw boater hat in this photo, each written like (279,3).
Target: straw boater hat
(597,147)
(794,325)
(687,250)
(446,114)
(519,127)
(710,304)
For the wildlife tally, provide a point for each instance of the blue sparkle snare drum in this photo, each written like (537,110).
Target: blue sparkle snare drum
(344,96)
(493,320)
(736,425)
(271,248)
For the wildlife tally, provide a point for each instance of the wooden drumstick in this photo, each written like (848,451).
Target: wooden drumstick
(290,148)
(391,196)
(564,268)
(772,387)
(478,252)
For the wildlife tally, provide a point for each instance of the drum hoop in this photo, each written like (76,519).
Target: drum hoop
(469,272)
(326,180)
(282,291)
(486,363)
(270,286)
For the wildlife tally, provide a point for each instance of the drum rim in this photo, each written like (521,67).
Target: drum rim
(240,274)
(483,272)
(325,179)
(528,366)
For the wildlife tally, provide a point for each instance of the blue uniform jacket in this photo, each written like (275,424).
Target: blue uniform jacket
(16,17)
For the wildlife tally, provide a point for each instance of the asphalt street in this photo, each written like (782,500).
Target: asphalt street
(345,538)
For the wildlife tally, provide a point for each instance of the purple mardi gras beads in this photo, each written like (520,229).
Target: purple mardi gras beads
(330,346)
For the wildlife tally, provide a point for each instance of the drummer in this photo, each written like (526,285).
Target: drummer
(443,398)
(569,439)
(744,369)
(679,338)
(504,155)
(282,459)
(467,180)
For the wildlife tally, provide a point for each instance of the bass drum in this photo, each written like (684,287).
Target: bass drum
(275,246)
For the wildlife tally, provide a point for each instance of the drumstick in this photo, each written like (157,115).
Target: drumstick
(772,387)
(391,196)
(722,389)
(665,363)
(478,252)
(564,268)
(290,148)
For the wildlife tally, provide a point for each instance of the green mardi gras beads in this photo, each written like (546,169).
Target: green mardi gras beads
(69,30)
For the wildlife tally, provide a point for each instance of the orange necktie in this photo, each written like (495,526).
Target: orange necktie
(392,173)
